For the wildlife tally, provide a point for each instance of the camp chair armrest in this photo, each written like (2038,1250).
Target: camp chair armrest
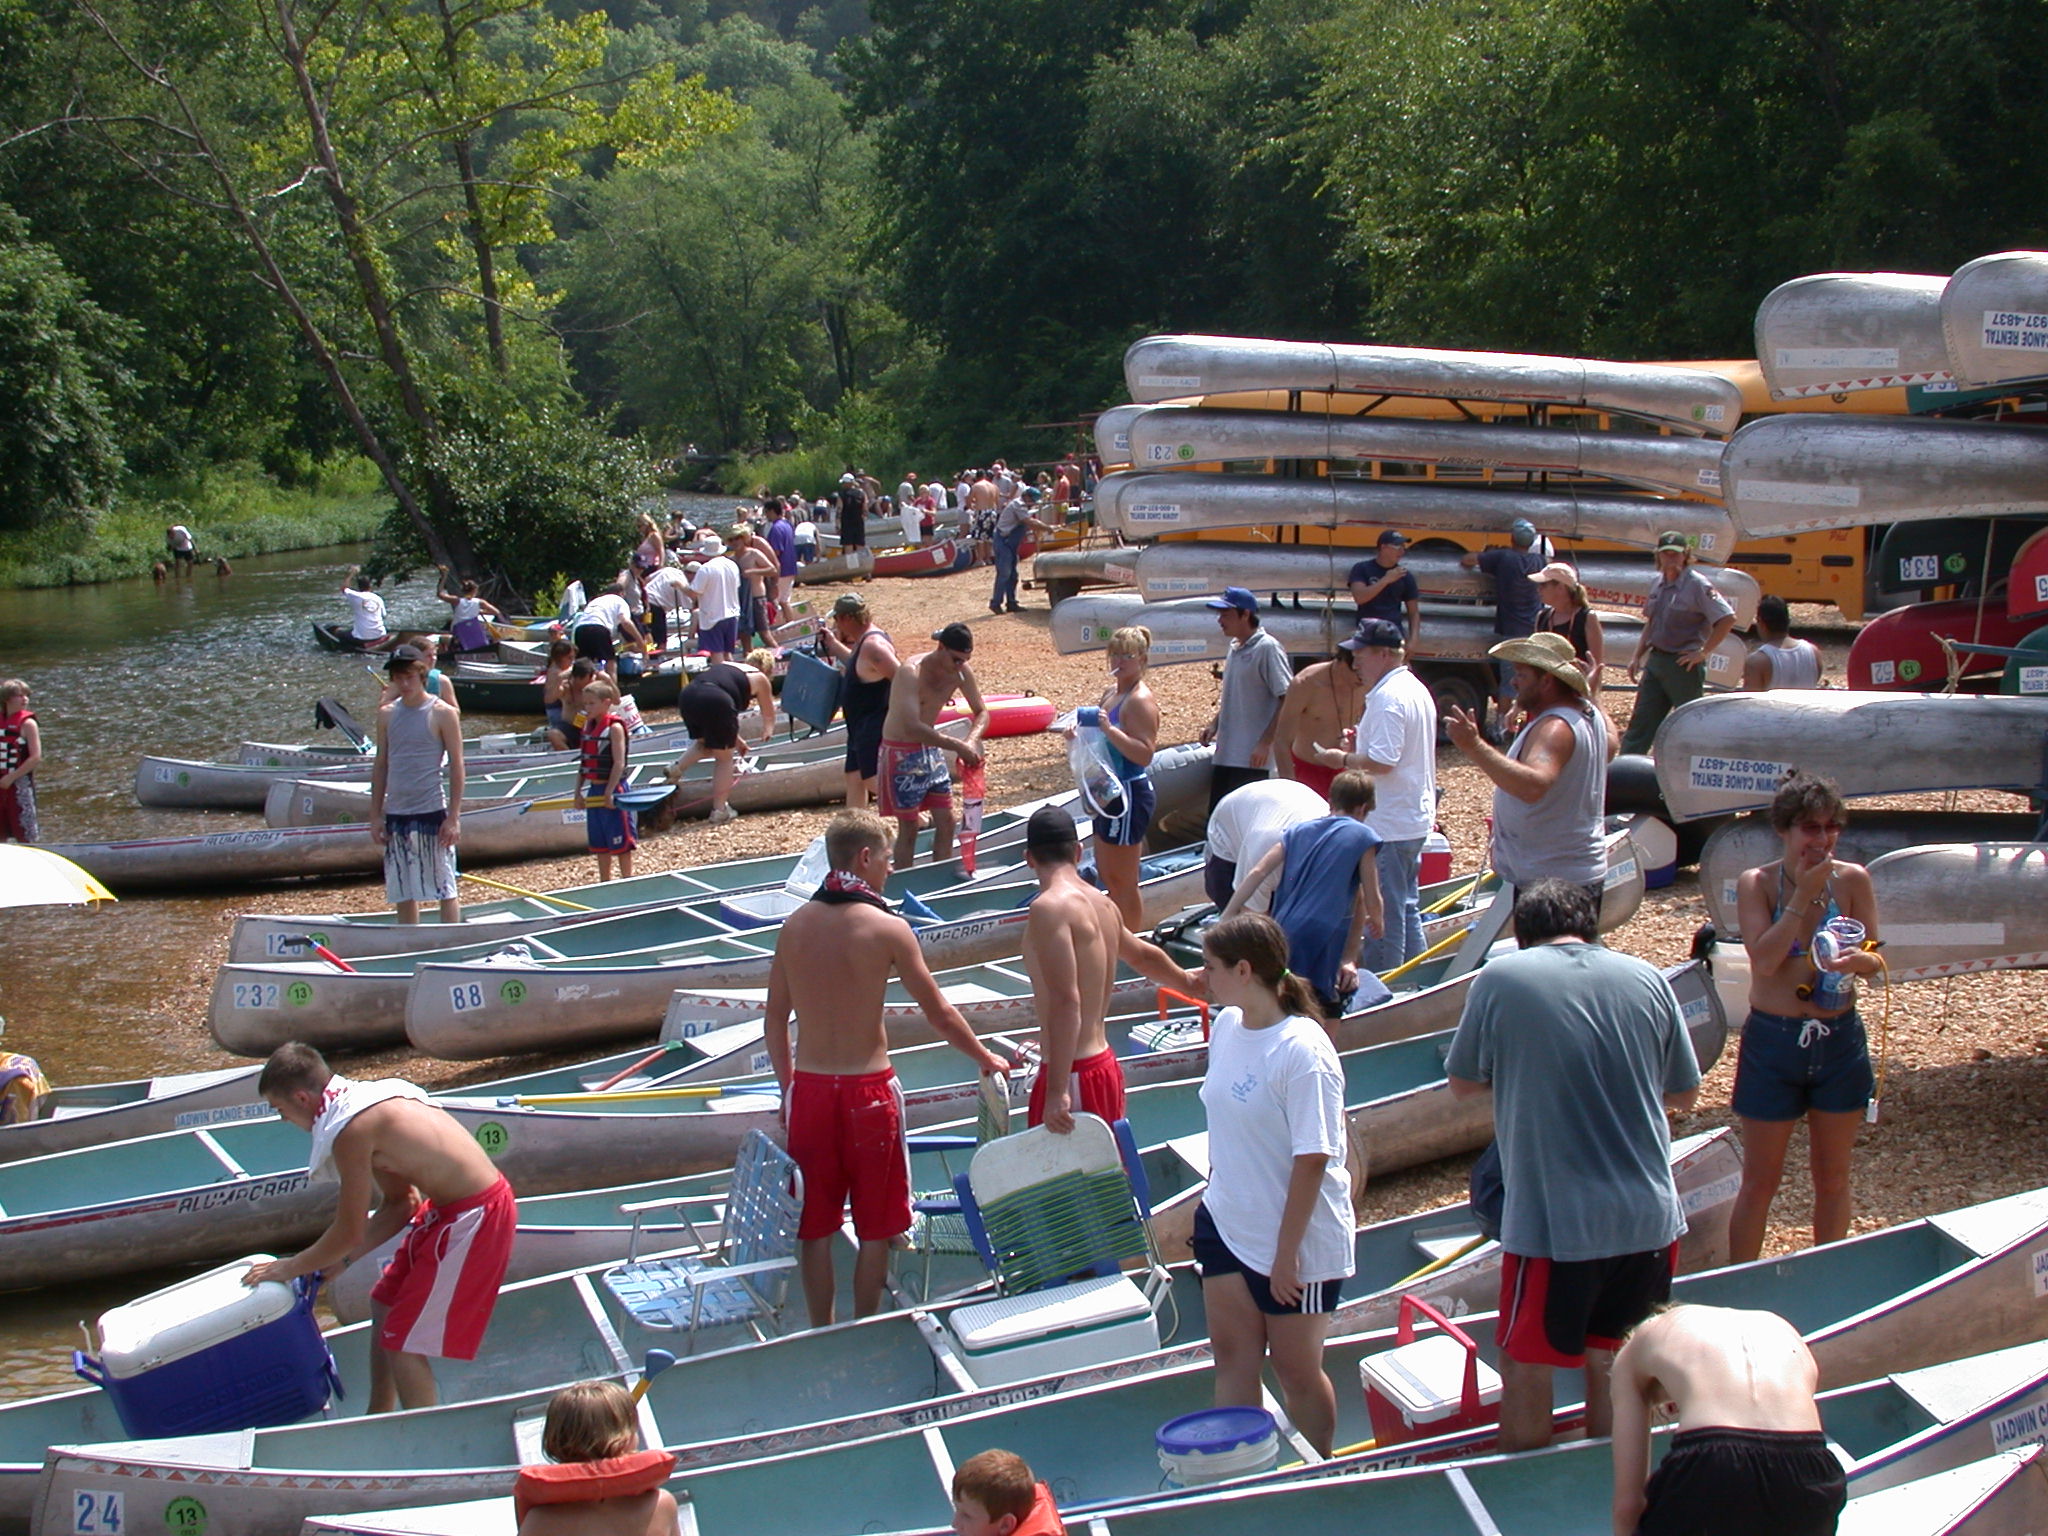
(715,1273)
(663,1203)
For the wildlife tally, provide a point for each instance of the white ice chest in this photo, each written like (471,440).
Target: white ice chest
(1039,1333)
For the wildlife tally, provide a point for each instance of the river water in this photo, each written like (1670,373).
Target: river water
(189,668)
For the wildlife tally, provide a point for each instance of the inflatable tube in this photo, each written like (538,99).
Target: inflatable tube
(1009,714)
(1632,787)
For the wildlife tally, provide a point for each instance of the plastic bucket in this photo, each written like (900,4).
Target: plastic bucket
(1215,1444)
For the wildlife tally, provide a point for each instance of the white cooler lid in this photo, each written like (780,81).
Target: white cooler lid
(1426,1379)
(188,1317)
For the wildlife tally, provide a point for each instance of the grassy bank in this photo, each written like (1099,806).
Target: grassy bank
(234,511)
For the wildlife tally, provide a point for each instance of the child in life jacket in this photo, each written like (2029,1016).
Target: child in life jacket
(600,771)
(595,1482)
(21,749)
(994,1494)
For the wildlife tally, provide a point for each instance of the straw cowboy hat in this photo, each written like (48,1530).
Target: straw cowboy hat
(1550,653)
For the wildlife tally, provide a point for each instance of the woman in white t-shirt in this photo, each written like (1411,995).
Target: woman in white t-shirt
(1273,1231)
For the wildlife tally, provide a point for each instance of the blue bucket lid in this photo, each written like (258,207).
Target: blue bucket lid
(1213,1430)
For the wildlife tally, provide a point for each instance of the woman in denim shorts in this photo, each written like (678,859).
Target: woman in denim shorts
(1804,1055)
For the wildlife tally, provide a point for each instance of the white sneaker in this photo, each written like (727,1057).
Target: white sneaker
(723,813)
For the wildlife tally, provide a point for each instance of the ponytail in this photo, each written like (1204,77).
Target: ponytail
(1255,939)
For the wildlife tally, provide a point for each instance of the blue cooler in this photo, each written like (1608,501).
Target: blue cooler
(810,689)
(211,1353)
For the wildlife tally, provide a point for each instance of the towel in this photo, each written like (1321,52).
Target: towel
(344,1099)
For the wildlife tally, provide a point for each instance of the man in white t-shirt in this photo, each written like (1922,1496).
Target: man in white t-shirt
(716,587)
(1396,743)
(1247,822)
(604,621)
(667,590)
(366,612)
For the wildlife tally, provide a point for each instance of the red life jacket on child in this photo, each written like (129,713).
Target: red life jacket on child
(580,1482)
(1043,1519)
(13,748)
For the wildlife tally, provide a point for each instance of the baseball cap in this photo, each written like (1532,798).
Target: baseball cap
(1393,536)
(1381,634)
(956,637)
(404,656)
(1050,827)
(849,605)
(1672,539)
(1557,570)
(1523,532)
(1239,598)
(847,478)
(1031,493)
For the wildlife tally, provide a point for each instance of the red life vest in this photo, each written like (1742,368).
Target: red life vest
(597,751)
(13,747)
(581,1482)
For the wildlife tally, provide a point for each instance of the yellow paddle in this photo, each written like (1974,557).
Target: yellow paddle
(520,890)
(1445,904)
(1450,1258)
(1429,954)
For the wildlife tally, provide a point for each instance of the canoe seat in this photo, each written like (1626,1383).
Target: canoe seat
(739,1276)
(1056,1219)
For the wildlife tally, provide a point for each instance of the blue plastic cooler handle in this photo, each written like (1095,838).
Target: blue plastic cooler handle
(86,1368)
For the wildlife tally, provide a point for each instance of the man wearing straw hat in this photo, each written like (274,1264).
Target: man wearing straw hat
(1550,784)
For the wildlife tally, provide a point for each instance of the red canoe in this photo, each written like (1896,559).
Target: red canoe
(927,561)
(1902,649)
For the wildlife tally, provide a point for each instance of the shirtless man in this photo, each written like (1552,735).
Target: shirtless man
(1072,942)
(434,1178)
(1749,1454)
(911,775)
(841,1103)
(1321,702)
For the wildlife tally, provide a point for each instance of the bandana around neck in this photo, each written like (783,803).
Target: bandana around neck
(840,887)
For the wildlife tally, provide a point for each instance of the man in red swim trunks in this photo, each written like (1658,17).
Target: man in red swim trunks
(438,1187)
(841,1103)
(912,775)
(1073,939)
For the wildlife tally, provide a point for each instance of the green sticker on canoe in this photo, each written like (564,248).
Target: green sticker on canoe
(299,993)
(1187,450)
(513,992)
(1909,670)
(1957,564)
(186,1516)
(493,1137)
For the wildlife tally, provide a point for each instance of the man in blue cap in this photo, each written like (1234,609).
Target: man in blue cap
(1515,599)
(1385,589)
(1255,678)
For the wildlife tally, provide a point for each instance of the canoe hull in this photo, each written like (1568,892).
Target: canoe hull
(1991,319)
(1840,332)
(1177,367)
(1868,743)
(1787,474)
(1963,907)
(1168,437)
(1902,649)
(168,1104)
(1146,505)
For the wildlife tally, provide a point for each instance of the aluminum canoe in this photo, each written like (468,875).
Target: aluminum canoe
(837,567)
(1842,332)
(1065,571)
(1179,437)
(1748,842)
(1188,569)
(1174,367)
(1897,1289)
(359,935)
(1144,505)
(86,1114)
(486,1008)
(1730,752)
(718,934)
(1113,434)
(1963,907)
(498,688)
(807,1390)
(1787,474)
(1994,316)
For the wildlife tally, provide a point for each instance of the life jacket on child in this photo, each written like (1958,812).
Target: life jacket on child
(582,1482)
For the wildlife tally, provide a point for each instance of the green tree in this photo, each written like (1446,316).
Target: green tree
(60,369)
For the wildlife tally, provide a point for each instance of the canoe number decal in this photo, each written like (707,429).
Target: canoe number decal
(256,994)
(1915,568)
(185,1517)
(513,992)
(1883,673)
(493,1137)
(299,993)
(1738,775)
(289,945)
(465,996)
(97,1513)
(1908,670)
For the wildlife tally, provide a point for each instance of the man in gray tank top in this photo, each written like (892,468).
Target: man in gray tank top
(414,817)
(1550,784)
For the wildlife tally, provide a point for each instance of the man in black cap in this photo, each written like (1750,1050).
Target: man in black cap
(912,775)
(1256,675)
(1072,942)
(1383,588)
(868,661)
(1515,600)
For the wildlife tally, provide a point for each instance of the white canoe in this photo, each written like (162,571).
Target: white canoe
(86,1114)
(1786,474)
(1063,572)
(1729,753)
(1836,333)
(1145,505)
(1955,907)
(1179,437)
(1994,317)
(1183,568)
(1113,434)
(1748,841)
(837,567)
(1176,367)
